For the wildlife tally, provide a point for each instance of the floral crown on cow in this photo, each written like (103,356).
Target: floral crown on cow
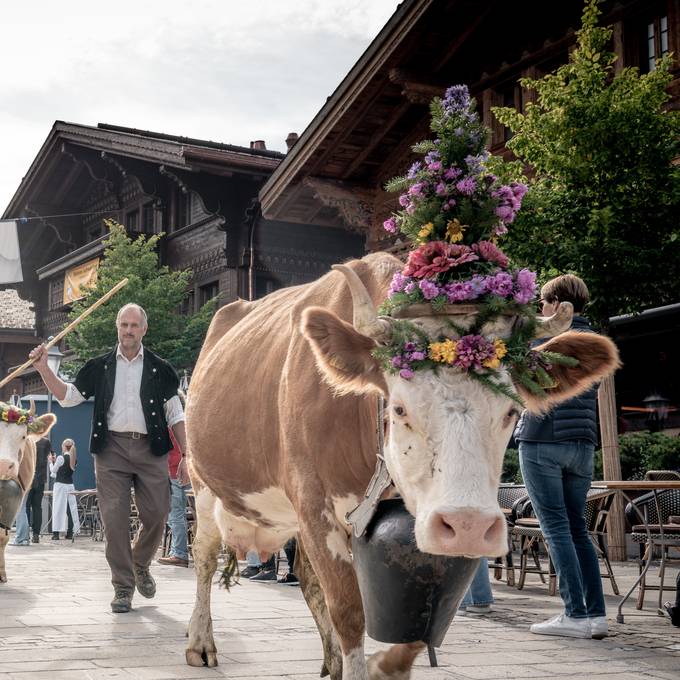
(454,210)
(15,415)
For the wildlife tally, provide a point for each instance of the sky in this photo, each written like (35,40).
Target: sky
(230,71)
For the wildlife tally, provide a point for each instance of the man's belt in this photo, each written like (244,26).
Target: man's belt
(128,435)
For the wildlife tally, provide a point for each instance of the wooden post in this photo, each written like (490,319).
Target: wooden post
(611,464)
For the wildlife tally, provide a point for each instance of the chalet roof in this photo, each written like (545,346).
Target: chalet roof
(363,134)
(15,313)
(112,142)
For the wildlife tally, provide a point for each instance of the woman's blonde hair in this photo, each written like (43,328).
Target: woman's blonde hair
(71,445)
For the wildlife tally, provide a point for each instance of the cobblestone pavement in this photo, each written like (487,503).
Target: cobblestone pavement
(55,624)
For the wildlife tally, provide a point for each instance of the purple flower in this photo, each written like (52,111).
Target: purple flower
(441,189)
(430,290)
(409,346)
(472,350)
(397,361)
(414,170)
(525,286)
(432,156)
(435,166)
(416,189)
(411,209)
(399,281)
(406,373)
(409,287)
(456,100)
(457,291)
(416,356)
(500,284)
(404,200)
(452,173)
(479,285)
(390,225)
(466,186)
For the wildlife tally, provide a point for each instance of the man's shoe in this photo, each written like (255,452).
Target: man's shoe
(599,628)
(21,543)
(55,535)
(564,626)
(173,561)
(673,613)
(69,536)
(250,571)
(289,579)
(36,538)
(264,576)
(146,586)
(122,601)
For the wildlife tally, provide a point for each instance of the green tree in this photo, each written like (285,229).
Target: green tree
(604,195)
(156,288)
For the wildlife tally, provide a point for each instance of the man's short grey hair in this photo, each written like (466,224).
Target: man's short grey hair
(132,305)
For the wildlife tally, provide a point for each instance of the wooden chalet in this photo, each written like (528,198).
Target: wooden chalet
(363,134)
(17,337)
(201,194)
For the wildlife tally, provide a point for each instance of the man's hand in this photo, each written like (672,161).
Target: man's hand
(183,472)
(39,355)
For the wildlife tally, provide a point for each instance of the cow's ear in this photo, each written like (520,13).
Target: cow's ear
(342,354)
(41,425)
(598,357)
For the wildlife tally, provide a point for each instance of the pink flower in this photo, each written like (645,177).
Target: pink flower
(406,373)
(390,225)
(435,257)
(491,253)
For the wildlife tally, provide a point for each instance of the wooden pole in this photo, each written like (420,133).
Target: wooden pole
(611,464)
(57,338)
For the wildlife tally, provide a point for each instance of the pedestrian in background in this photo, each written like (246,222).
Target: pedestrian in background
(556,458)
(62,468)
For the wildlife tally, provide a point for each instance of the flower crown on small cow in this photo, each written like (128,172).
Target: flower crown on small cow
(18,416)
(454,210)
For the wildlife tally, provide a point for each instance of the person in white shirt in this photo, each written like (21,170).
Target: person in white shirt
(135,402)
(61,469)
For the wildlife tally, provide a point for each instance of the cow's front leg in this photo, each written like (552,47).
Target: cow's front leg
(314,596)
(4,539)
(207,542)
(327,547)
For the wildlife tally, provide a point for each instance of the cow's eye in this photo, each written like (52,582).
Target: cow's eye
(400,410)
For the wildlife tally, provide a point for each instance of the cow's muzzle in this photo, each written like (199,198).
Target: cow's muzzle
(10,500)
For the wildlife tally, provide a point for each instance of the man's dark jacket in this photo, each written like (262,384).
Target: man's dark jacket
(573,420)
(159,384)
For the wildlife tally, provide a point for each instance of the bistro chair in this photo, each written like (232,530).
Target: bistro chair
(86,512)
(508,497)
(662,475)
(531,538)
(654,511)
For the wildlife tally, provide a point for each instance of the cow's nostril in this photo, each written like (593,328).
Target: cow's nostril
(498,526)
(446,526)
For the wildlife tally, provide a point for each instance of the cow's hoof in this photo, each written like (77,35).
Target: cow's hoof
(203,658)
(376,673)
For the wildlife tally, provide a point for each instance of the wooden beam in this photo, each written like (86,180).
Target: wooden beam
(377,139)
(353,205)
(611,464)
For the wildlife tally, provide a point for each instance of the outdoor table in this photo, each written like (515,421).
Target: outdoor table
(638,485)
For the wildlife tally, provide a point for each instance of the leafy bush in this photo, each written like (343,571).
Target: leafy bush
(511,473)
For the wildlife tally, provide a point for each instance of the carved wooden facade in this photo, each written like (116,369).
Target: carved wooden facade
(201,195)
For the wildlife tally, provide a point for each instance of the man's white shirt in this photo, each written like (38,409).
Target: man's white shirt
(125,413)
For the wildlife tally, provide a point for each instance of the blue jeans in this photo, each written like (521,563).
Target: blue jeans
(177,519)
(558,476)
(21,536)
(479,591)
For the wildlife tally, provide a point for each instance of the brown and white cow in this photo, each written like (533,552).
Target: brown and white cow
(17,465)
(281,427)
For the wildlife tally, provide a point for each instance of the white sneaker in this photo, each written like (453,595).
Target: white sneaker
(565,626)
(599,627)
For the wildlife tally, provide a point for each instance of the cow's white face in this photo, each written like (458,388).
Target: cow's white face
(13,439)
(446,438)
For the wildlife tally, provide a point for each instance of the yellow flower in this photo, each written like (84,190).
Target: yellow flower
(443,352)
(425,231)
(501,351)
(455,230)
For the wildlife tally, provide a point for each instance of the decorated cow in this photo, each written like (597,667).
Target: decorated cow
(19,430)
(282,407)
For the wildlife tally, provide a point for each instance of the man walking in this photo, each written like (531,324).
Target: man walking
(34,497)
(135,402)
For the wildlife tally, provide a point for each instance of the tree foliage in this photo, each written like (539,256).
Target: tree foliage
(604,196)
(156,288)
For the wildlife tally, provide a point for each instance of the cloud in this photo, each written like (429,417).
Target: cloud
(222,70)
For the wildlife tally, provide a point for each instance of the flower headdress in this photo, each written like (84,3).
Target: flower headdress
(13,414)
(454,211)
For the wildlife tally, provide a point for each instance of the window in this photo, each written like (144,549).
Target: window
(148,214)
(132,220)
(655,43)
(207,292)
